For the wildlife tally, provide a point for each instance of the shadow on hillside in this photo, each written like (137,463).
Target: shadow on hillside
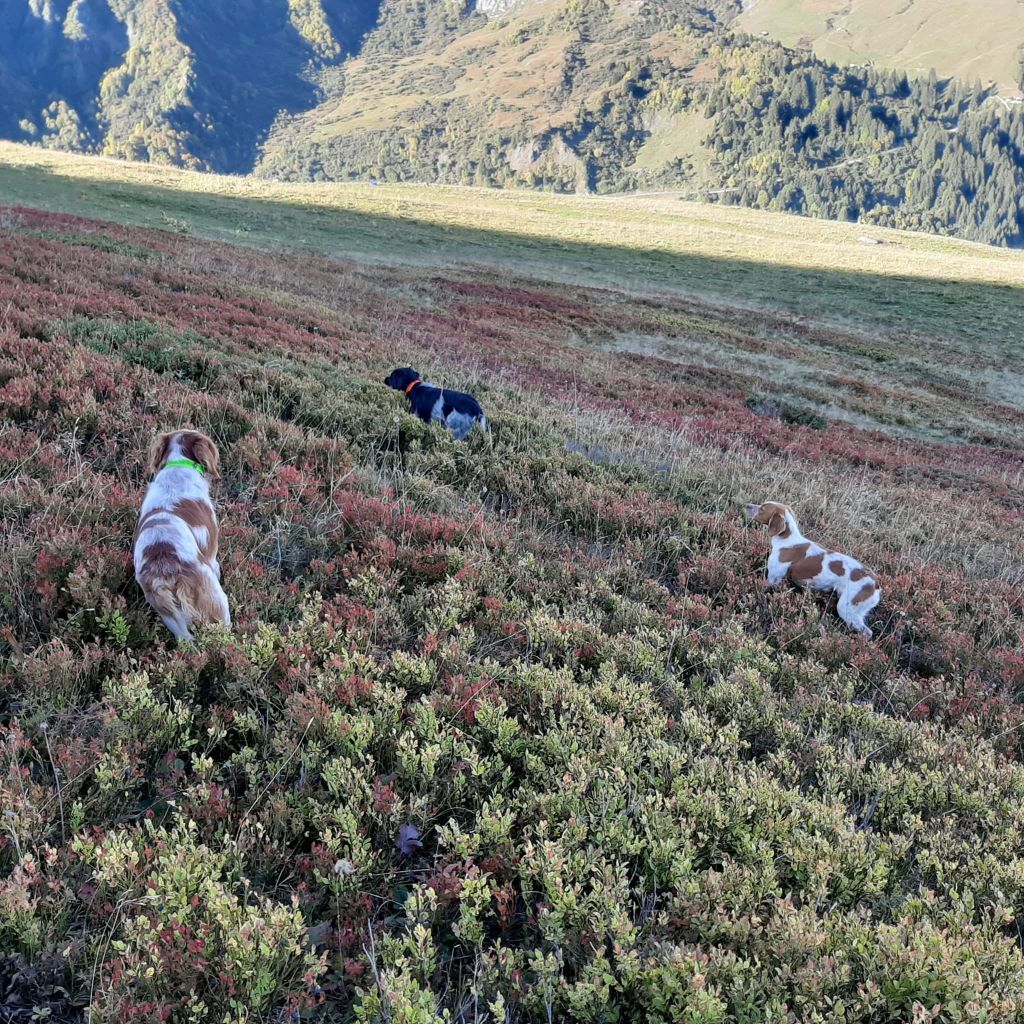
(989,315)
(241,106)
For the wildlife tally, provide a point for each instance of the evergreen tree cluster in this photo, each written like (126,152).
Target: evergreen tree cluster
(792,133)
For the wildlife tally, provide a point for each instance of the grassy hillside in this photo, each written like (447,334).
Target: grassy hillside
(644,787)
(965,40)
(609,97)
(909,282)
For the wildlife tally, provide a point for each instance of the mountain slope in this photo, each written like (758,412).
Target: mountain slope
(55,53)
(190,82)
(963,40)
(552,93)
(505,730)
(567,95)
(607,96)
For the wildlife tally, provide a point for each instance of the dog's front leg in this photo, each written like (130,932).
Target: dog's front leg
(776,572)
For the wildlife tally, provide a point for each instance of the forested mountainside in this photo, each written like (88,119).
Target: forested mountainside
(790,133)
(189,82)
(569,95)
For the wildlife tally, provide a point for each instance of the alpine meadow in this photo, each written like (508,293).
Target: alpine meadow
(510,728)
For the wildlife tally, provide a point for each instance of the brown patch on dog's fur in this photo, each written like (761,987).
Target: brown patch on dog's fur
(203,604)
(195,515)
(201,449)
(198,515)
(837,567)
(192,595)
(807,568)
(160,561)
(858,574)
(864,593)
(172,586)
(160,551)
(794,553)
(159,451)
(148,520)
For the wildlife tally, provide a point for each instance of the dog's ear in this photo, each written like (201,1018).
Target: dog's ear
(771,515)
(204,451)
(158,451)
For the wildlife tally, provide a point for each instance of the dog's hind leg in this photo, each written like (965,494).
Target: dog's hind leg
(847,612)
(855,614)
(460,424)
(863,610)
(177,622)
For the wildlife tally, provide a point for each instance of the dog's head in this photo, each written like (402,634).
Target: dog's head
(185,444)
(402,378)
(771,514)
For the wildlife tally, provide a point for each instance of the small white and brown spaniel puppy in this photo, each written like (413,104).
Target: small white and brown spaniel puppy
(458,411)
(811,565)
(175,544)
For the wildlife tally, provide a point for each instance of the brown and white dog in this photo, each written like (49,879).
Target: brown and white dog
(175,545)
(811,565)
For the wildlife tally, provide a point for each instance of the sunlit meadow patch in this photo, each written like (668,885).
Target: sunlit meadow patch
(504,731)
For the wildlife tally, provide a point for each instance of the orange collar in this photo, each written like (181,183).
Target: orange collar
(412,385)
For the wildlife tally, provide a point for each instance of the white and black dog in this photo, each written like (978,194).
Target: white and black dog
(458,411)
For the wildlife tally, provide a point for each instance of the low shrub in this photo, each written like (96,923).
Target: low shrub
(502,732)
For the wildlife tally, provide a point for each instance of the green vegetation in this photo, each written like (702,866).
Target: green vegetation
(506,730)
(61,128)
(875,148)
(908,282)
(140,97)
(310,22)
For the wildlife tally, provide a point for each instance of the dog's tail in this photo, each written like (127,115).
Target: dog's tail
(200,595)
(189,598)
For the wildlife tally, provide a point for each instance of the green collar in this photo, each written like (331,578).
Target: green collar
(187,463)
